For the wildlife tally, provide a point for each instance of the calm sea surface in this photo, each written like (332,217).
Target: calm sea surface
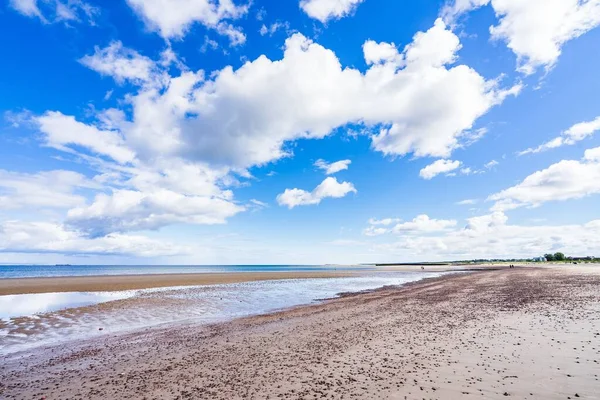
(29,271)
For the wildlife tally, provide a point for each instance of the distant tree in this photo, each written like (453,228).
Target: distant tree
(549,257)
(559,256)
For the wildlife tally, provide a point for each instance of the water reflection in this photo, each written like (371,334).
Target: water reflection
(20,305)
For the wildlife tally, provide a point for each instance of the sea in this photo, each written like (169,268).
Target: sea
(31,320)
(30,271)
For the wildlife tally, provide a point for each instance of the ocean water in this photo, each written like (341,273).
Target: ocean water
(31,320)
(29,271)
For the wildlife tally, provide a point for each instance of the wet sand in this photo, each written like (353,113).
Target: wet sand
(521,333)
(103,283)
(106,283)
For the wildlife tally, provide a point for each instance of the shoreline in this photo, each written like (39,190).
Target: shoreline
(113,283)
(526,333)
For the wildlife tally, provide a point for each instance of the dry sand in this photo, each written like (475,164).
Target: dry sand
(520,333)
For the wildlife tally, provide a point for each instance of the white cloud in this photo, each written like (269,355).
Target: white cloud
(49,189)
(491,164)
(385,221)
(28,8)
(51,11)
(583,130)
(439,167)
(565,180)
(453,9)
(434,90)
(45,237)
(593,154)
(467,202)
(535,30)
(490,236)
(208,44)
(381,53)
(324,10)
(244,117)
(332,168)
(274,27)
(127,210)
(62,131)
(121,63)
(330,187)
(236,35)
(138,195)
(174,18)
(486,222)
(375,231)
(574,134)
(258,205)
(421,224)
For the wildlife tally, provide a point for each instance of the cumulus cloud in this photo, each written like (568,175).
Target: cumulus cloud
(490,236)
(535,30)
(121,63)
(245,117)
(51,11)
(486,222)
(128,210)
(421,224)
(381,53)
(325,10)
(46,189)
(332,168)
(330,187)
(439,167)
(565,180)
(574,134)
(46,237)
(61,131)
(172,19)
(138,195)
(592,154)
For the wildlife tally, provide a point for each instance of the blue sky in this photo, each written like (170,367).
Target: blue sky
(304,131)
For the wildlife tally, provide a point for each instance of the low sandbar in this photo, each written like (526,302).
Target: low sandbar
(111,283)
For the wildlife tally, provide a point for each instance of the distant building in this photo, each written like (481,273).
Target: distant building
(539,259)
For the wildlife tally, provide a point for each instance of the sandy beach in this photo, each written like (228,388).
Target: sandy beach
(524,333)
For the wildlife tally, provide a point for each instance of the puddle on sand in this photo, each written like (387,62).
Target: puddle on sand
(19,305)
